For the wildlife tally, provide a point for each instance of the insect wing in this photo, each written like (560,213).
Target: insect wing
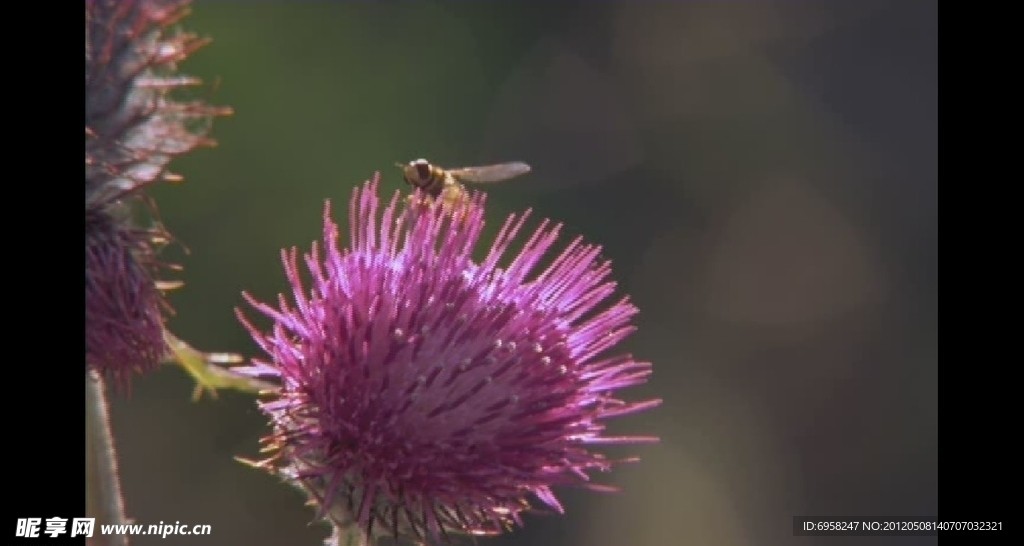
(490,173)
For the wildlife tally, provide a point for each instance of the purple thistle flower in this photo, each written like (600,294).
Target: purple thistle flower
(424,393)
(134,126)
(124,325)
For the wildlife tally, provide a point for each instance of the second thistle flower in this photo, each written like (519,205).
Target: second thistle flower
(135,124)
(424,393)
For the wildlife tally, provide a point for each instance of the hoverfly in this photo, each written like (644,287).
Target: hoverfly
(447,184)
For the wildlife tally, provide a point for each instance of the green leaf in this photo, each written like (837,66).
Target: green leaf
(208,371)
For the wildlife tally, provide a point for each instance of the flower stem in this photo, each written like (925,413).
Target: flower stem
(102,484)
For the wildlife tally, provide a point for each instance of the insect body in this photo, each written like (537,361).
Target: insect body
(447,184)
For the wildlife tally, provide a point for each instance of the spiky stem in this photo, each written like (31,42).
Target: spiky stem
(102,484)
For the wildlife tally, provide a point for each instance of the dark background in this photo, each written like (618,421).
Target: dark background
(763,175)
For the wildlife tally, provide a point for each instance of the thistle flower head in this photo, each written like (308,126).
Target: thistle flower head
(425,393)
(134,125)
(123,315)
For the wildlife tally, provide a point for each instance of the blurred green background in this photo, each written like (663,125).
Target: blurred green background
(763,175)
